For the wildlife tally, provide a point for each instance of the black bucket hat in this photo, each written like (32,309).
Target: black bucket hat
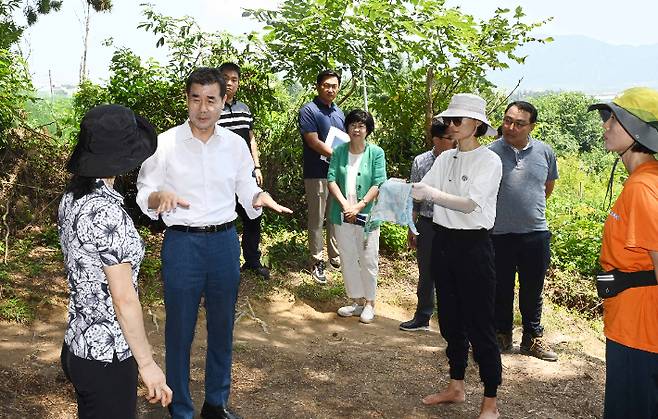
(111,142)
(636,109)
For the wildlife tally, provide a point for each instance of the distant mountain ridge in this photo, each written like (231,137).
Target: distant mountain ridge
(582,64)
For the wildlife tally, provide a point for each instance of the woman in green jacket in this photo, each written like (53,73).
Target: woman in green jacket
(357,169)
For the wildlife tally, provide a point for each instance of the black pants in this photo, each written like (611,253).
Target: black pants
(104,390)
(631,382)
(425,290)
(250,237)
(528,254)
(463,271)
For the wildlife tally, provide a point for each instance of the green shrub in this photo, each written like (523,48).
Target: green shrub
(393,238)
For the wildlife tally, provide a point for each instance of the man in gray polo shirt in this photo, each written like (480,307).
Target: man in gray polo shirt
(520,236)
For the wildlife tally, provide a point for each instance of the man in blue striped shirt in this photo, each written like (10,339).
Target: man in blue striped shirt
(237,117)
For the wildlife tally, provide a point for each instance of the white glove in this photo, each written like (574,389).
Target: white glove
(423,192)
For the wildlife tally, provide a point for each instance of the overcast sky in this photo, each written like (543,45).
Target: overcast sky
(55,42)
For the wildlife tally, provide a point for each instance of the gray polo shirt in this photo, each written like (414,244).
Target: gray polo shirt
(521,206)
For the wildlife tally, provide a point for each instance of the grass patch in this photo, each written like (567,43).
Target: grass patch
(318,293)
(150,284)
(16,309)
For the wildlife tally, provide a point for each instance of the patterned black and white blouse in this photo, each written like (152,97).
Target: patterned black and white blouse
(95,231)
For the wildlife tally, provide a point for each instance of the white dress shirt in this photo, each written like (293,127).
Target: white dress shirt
(207,175)
(471,174)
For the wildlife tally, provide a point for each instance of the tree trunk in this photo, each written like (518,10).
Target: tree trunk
(83,63)
(429,87)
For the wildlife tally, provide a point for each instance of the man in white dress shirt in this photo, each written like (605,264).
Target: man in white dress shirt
(191,181)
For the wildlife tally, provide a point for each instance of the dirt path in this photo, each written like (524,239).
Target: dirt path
(299,360)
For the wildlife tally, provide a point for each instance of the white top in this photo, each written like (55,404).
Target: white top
(471,174)
(353,164)
(208,175)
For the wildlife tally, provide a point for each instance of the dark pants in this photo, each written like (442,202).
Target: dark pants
(425,289)
(250,237)
(194,264)
(529,254)
(463,271)
(631,383)
(104,390)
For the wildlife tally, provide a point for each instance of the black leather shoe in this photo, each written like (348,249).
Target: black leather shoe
(208,411)
(261,271)
(415,325)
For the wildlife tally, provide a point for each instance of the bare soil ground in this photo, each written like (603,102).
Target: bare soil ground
(295,358)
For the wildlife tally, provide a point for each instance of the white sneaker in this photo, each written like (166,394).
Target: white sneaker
(368,314)
(352,310)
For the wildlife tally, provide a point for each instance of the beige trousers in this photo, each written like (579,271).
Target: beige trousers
(316,197)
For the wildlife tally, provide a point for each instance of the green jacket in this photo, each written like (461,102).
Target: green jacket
(372,171)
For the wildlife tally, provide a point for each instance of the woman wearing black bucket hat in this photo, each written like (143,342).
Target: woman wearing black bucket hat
(105,345)
(629,255)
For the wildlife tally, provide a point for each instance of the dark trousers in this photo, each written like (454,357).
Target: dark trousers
(250,237)
(425,289)
(631,383)
(529,254)
(463,271)
(104,390)
(194,264)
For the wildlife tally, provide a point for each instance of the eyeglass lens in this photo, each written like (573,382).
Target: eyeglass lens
(455,120)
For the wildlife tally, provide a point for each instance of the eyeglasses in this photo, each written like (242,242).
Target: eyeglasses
(454,120)
(329,86)
(519,123)
(357,126)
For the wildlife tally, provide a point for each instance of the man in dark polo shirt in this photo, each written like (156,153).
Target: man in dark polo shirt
(520,236)
(237,117)
(315,120)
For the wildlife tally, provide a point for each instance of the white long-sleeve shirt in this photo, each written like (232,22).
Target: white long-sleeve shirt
(207,175)
(471,174)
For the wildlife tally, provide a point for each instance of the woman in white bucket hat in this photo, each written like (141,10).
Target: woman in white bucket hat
(463,185)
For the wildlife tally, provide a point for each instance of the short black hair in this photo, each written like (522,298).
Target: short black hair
(438,128)
(205,76)
(229,66)
(481,131)
(525,106)
(359,115)
(325,74)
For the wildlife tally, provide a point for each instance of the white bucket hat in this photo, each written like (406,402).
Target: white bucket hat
(470,106)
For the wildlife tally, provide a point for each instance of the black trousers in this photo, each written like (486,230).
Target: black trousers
(103,390)
(425,290)
(465,280)
(250,237)
(631,382)
(529,254)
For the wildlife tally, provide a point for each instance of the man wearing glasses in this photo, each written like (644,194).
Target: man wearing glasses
(520,236)
(315,120)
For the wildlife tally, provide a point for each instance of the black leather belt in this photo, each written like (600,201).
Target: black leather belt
(203,229)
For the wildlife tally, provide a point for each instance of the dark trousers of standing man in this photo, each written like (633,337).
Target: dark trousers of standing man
(196,264)
(528,254)
(463,271)
(250,238)
(425,289)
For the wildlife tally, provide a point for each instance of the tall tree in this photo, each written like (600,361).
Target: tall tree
(98,6)
(10,30)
